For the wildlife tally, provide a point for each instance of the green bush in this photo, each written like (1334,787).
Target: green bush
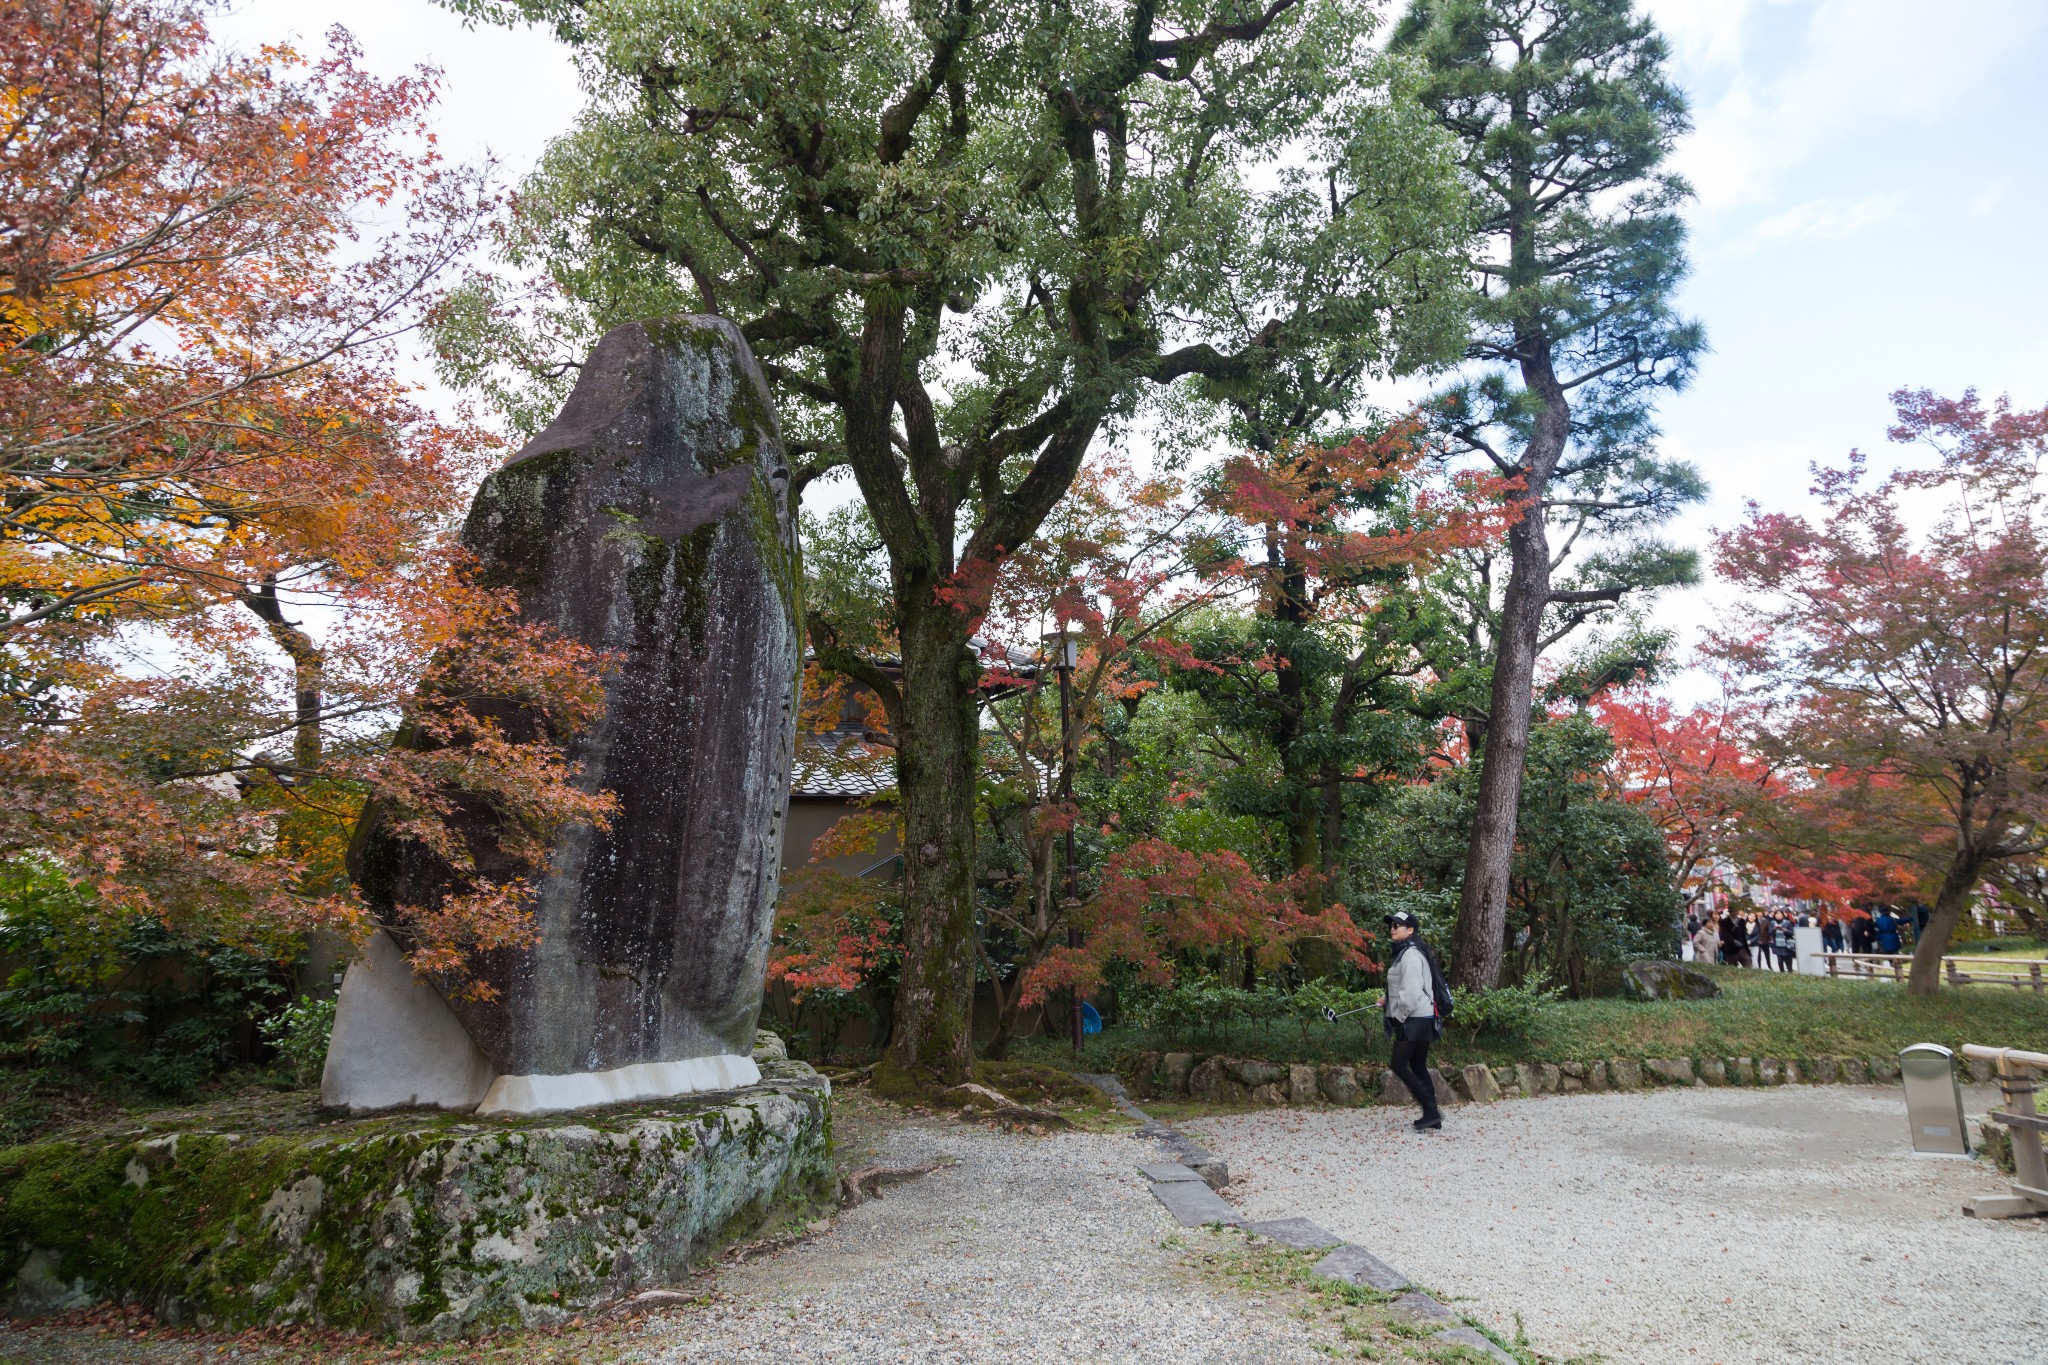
(1508,1012)
(1314,1002)
(1202,1007)
(298,1034)
(146,1006)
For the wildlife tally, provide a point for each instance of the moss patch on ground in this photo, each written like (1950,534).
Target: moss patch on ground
(1355,1322)
(1758,1014)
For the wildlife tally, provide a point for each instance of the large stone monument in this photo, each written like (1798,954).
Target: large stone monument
(651,521)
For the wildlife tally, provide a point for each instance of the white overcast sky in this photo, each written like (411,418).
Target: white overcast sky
(1872,180)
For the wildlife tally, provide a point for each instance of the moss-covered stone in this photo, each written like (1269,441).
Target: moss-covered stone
(413,1225)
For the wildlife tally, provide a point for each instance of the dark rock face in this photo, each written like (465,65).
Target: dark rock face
(651,521)
(1651,980)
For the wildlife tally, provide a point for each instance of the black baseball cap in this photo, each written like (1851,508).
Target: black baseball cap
(1401,919)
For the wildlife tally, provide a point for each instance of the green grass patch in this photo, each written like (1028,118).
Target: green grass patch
(1354,1322)
(1998,947)
(1758,1014)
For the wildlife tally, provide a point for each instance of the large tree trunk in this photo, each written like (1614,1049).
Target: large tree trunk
(1304,818)
(309,665)
(1483,900)
(1482,906)
(937,758)
(1962,878)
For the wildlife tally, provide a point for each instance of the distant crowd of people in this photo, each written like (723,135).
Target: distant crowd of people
(1762,938)
(1882,930)
(1765,938)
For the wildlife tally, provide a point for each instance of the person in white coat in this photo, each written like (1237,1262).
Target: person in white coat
(1411,1021)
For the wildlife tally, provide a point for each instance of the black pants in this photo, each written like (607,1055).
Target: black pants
(1411,1064)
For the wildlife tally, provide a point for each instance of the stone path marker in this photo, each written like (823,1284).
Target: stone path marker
(1356,1265)
(650,521)
(1193,1203)
(1296,1234)
(1193,1156)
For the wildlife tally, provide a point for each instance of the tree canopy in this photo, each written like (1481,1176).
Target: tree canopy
(1909,667)
(964,239)
(206,464)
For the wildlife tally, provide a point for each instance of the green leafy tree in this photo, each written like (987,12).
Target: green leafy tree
(1325,671)
(962,238)
(1563,116)
(1588,887)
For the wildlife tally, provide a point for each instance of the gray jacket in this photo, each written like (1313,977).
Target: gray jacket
(1410,991)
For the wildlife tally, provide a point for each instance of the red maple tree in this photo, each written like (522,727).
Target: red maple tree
(224,523)
(1906,670)
(1691,771)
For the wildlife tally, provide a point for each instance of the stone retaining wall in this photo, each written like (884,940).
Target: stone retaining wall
(1250,1080)
(412,1225)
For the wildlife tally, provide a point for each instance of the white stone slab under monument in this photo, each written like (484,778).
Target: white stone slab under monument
(620,1085)
(396,1043)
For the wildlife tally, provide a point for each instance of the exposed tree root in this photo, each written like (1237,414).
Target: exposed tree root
(867,1182)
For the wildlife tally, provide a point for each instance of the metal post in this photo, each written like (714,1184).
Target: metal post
(1934,1101)
(1066,672)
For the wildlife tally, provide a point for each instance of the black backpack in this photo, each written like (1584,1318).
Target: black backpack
(1439,989)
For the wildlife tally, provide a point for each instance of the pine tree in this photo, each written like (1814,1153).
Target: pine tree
(1564,117)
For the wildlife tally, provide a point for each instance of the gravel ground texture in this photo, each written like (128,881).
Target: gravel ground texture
(1705,1225)
(1025,1249)
(1020,1249)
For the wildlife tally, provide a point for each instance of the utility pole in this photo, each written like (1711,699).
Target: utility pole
(1065,667)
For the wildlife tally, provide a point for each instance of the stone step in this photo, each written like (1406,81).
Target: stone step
(1165,1171)
(1298,1234)
(1477,1340)
(1356,1265)
(1417,1306)
(1193,1203)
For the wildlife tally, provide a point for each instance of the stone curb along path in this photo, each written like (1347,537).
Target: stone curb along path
(1251,1080)
(1188,1190)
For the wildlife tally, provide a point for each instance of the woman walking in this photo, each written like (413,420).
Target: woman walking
(1411,1016)
(1705,940)
(1783,941)
(1759,942)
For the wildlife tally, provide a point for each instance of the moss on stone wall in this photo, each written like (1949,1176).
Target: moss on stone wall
(413,1225)
(510,514)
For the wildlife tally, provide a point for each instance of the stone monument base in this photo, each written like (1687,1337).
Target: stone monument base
(397,1045)
(411,1225)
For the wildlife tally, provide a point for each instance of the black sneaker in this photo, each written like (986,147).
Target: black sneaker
(1428,1121)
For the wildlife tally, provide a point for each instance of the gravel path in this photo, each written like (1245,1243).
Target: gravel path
(1028,1249)
(1679,1226)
